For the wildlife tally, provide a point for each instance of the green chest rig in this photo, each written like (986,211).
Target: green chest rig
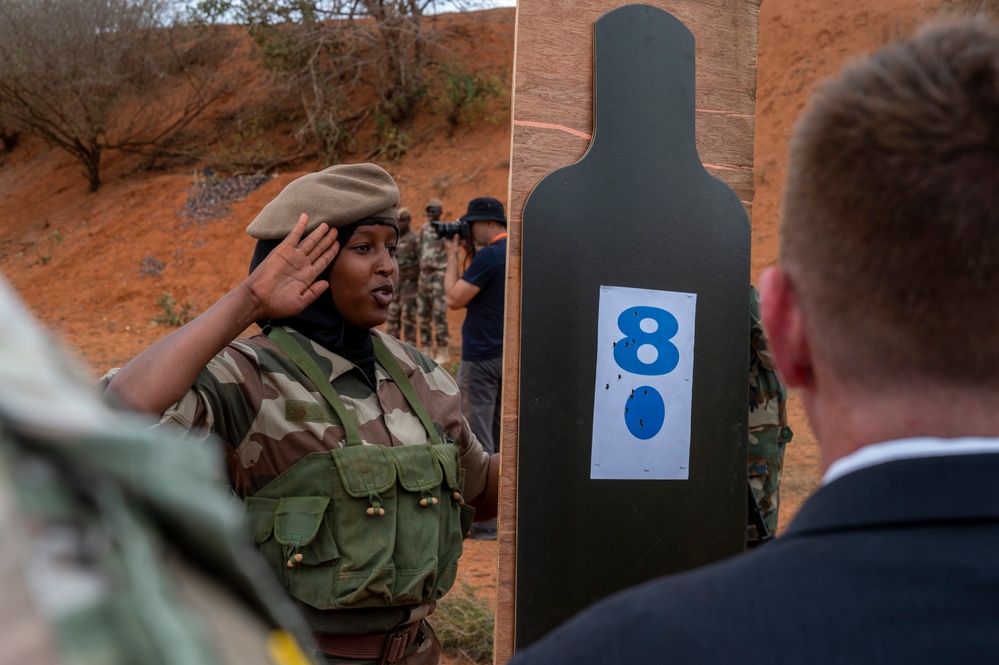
(363,526)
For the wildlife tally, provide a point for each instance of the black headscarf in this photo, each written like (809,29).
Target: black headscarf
(321,321)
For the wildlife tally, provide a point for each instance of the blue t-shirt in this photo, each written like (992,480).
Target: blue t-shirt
(482,332)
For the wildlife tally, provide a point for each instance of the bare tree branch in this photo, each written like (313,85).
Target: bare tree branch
(96,75)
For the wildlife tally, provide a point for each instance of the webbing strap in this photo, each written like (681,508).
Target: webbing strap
(294,350)
(389,362)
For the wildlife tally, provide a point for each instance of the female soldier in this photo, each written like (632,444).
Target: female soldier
(365,537)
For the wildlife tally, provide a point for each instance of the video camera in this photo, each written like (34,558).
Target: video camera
(461,228)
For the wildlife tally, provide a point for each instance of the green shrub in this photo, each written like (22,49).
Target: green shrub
(169,315)
(393,142)
(468,96)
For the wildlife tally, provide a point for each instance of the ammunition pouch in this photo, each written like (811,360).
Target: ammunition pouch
(365,526)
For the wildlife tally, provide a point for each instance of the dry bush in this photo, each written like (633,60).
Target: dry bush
(95,75)
(465,624)
(347,62)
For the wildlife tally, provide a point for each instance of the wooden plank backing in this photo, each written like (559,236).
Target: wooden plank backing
(553,123)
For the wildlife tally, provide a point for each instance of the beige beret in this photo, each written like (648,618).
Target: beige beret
(434,203)
(404,212)
(340,195)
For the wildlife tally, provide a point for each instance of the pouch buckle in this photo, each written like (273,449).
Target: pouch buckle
(398,641)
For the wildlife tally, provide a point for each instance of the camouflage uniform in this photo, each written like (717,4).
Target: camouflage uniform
(402,312)
(768,430)
(118,545)
(432,303)
(265,411)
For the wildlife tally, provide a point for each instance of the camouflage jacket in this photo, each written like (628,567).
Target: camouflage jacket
(407,253)
(268,415)
(768,430)
(432,253)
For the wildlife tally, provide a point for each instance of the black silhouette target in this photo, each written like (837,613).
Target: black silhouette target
(637,211)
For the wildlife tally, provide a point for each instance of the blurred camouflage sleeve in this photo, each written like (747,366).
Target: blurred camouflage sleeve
(117,545)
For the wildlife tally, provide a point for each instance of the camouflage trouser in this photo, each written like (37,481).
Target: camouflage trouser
(768,430)
(765,457)
(402,312)
(432,309)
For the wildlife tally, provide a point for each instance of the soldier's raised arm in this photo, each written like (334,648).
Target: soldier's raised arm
(282,285)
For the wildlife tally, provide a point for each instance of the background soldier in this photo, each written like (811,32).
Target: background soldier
(118,545)
(402,311)
(432,301)
(768,430)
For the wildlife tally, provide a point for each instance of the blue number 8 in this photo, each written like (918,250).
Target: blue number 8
(626,348)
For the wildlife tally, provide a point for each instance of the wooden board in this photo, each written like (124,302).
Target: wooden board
(553,122)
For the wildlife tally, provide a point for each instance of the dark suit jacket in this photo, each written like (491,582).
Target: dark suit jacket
(896,563)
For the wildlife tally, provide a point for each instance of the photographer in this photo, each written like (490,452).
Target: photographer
(481,289)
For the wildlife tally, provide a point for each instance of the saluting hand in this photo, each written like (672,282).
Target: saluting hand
(285,282)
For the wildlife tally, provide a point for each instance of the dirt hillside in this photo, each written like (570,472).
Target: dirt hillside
(96,268)
(93,266)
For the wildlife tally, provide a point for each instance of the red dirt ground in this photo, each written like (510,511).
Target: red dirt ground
(77,258)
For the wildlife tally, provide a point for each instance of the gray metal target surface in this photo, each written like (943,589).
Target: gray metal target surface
(637,211)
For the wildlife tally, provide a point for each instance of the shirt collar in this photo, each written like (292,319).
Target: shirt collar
(890,451)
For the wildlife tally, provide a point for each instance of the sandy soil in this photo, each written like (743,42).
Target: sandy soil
(86,263)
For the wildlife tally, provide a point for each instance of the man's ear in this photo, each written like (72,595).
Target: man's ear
(785,328)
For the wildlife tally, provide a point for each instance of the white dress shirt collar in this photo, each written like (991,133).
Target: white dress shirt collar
(890,451)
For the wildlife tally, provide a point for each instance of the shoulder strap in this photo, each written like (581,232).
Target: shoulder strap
(294,350)
(389,362)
